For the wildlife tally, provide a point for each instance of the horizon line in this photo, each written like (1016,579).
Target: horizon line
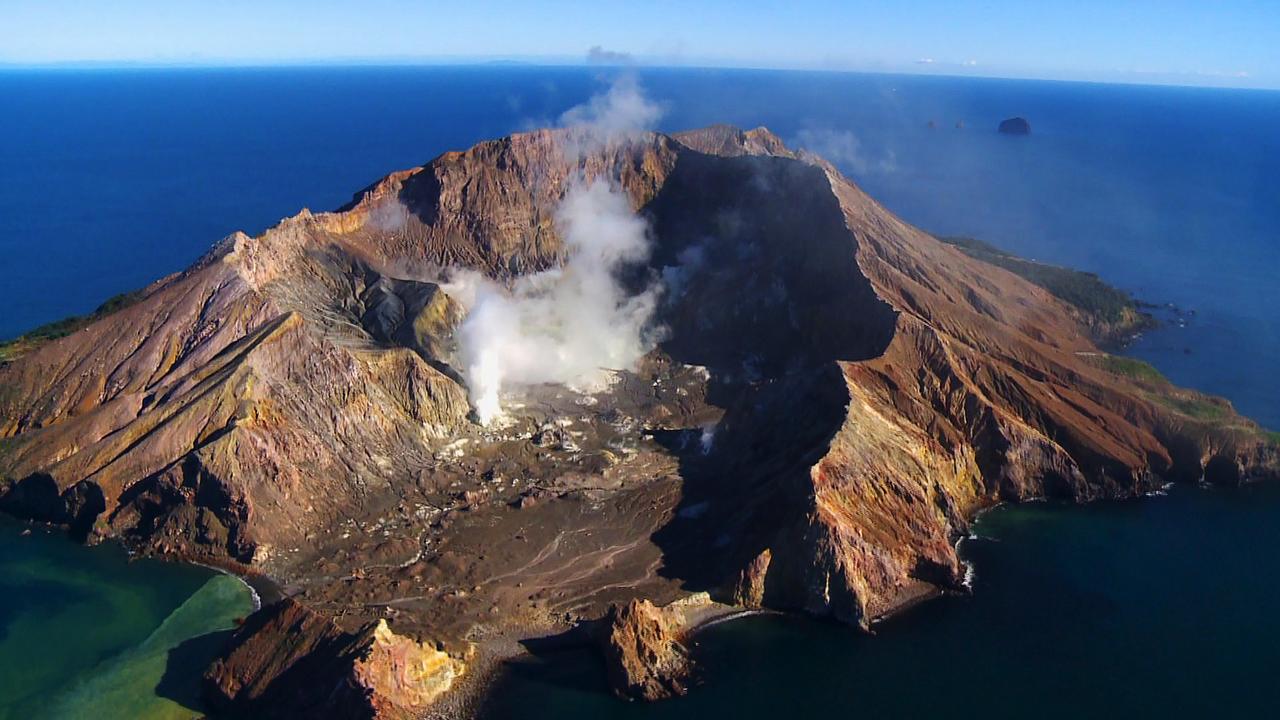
(1140,79)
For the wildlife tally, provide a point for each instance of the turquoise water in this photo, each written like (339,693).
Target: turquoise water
(1162,607)
(85,633)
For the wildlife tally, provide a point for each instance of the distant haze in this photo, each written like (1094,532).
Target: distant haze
(1228,43)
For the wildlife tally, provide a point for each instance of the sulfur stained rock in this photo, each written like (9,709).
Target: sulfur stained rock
(288,661)
(401,676)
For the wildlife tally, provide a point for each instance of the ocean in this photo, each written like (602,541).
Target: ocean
(85,632)
(1164,607)
(112,178)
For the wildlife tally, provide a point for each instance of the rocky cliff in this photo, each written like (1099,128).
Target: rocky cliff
(644,651)
(835,394)
(288,661)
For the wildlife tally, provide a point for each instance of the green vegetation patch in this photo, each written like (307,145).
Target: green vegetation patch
(1131,368)
(1198,407)
(1082,290)
(1188,403)
(12,349)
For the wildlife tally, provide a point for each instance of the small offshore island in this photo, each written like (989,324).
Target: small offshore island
(833,397)
(1014,126)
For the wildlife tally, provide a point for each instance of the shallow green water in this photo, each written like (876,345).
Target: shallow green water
(85,633)
(1163,607)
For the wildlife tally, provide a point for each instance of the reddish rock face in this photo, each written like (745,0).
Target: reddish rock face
(836,395)
(289,661)
(644,653)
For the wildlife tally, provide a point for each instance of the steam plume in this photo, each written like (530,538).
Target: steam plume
(845,150)
(569,325)
(573,324)
(617,114)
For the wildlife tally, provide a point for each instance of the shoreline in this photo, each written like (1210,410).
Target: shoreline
(253,592)
(488,665)
(467,699)
(263,588)
(728,617)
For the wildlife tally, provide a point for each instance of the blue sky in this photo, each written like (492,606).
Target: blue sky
(1195,42)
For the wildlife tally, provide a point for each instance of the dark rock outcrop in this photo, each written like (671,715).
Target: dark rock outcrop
(290,662)
(1015,126)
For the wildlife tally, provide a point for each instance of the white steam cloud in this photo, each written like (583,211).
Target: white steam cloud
(570,325)
(845,149)
(617,114)
(574,324)
(599,55)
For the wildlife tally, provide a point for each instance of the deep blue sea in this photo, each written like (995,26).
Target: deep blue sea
(109,179)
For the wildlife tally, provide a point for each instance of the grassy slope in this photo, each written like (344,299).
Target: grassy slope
(1208,410)
(1105,305)
(23,344)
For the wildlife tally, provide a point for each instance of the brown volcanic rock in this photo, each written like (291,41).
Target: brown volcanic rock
(644,654)
(288,403)
(289,662)
(729,141)
(985,392)
(491,208)
(748,592)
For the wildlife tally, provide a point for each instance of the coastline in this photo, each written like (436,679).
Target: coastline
(264,589)
(486,667)
(253,591)
(134,635)
(730,616)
